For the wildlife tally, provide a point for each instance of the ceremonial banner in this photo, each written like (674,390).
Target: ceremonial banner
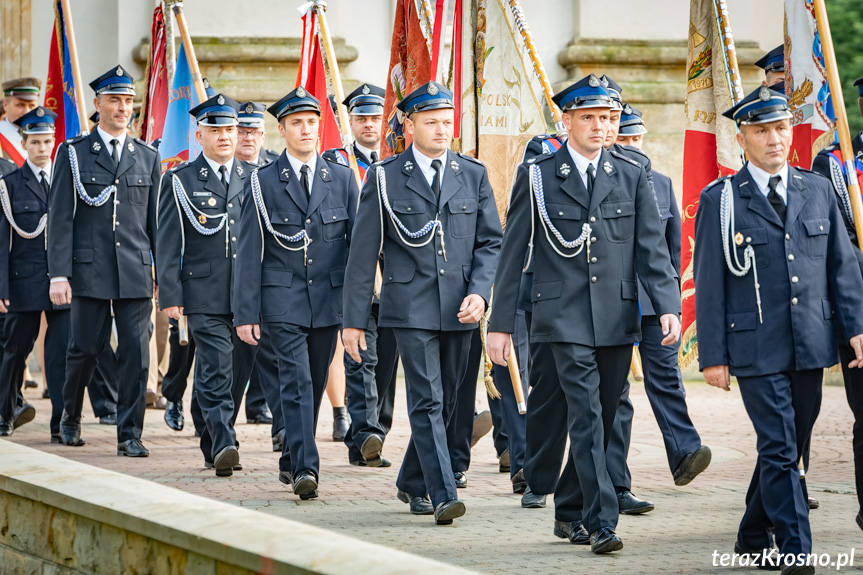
(60,86)
(501,96)
(709,149)
(313,78)
(806,84)
(154,104)
(178,136)
(410,67)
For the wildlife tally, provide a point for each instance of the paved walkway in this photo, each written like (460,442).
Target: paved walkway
(497,535)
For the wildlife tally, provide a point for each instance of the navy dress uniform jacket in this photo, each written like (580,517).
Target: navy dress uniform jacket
(282,288)
(421,289)
(669,214)
(101,262)
(24,264)
(592,303)
(807,271)
(7,167)
(202,280)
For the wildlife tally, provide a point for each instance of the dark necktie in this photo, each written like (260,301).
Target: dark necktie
(44,181)
(374,157)
(115,151)
(775,199)
(223,176)
(436,164)
(591,176)
(304,179)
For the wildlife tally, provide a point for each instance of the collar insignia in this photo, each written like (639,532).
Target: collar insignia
(607,167)
(325,174)
(97,145)
(239,169)
(130,147)
(409,166)
(204,172)
(285,174)
(565,169)
(454,165)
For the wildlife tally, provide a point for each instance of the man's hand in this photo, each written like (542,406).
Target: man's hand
(499,346)
(717,376)
(251,334)
(60,293)
(857,345)
(354,340)
(174,312)
(4,306)
(670,328)
(471,309)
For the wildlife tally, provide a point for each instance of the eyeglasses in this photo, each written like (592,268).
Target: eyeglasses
(249,134)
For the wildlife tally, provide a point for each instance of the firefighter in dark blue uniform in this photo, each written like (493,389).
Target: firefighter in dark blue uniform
(775,273)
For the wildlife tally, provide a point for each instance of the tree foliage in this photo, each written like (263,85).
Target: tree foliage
(846,26)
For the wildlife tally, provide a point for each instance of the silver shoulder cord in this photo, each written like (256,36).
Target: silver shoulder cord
(538,197)
(96,202)
(186,207)
(7,210)
(400,227)
(263,217)
(841,188)
(727,227)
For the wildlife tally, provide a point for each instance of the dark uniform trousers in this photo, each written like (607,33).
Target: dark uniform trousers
(809,284)
(105,385)
(201,280)
(371,387)
(107,253)
(180,359)
(582,335)
(460,427)
(256,400)
(267,372)
(296,296)
(854,393)
(423,288)
(513,423)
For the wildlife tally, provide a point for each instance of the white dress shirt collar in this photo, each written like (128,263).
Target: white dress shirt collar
(424,163)
(106,139)
(367,152)
(37,171)
(214,165)
(762,180)
(582,162)
(296,164)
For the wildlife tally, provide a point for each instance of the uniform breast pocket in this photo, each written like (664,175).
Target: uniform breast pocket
(740,338)
(618,220)
(25,207)
(95,182)
(138,186)
(755,237)
(817,232)
(566,218)
(462,212)
(287,222)
(335,222)
(411,213)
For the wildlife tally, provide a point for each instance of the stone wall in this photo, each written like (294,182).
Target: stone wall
(62,517)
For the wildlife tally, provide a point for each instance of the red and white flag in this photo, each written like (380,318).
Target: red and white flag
(313,77)
(154,106)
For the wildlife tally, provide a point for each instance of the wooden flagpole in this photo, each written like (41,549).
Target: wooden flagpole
(842,129)
(76,69)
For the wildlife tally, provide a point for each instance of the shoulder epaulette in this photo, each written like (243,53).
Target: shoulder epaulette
(539,158)
(620,156)
(179,167)
(829,149)
(470,158)
(388,159)
(716,181)
(145,144)
(810,172)
(639,153)
(76,139)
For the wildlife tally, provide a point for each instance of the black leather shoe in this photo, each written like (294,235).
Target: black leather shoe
(859,519)
(55,438)
(225,460)
(460,479)
(286,478)
(45,394)
(174,415)
(371,450)
(110,419)
(6,428)
(481,425)
(572,530)
(693,464)
(30,384)
(23,414)
(209,465)
(757,556)
(279,441)
(532,500)
(384,462)
(263,418)
(447,511)
(605,540)
(632,505)
(70,430)
(341,423)
(519,483)
(814,503)
(305,485)
(132,448)
(503,462)
(418,505)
